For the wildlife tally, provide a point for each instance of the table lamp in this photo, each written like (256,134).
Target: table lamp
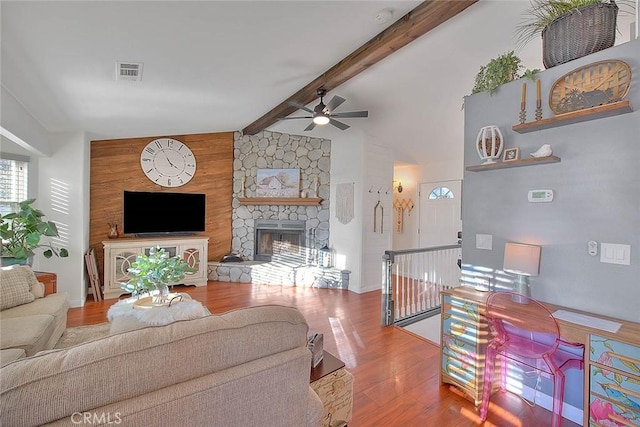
(523,261)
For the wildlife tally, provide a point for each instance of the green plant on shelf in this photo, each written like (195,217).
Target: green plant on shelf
(500,70)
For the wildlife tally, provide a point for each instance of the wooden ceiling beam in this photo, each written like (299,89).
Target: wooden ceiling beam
(425,17)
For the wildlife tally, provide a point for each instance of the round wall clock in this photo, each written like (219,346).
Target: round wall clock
(168,162)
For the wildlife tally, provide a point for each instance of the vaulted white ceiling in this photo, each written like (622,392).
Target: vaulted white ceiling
(208,65)
(212,66)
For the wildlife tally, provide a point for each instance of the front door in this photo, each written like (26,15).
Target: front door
(440,213)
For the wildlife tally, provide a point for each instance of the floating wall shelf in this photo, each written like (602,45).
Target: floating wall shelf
(607,110)
(514,164)
(309,201)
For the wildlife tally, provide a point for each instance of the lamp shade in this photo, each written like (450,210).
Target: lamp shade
(521,259)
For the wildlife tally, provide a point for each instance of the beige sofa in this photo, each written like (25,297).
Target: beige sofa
(29,321)
(247,367)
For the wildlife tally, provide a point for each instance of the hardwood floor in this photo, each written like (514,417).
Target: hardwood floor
(396,372)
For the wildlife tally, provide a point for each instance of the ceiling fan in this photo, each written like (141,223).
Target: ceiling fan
(323,114)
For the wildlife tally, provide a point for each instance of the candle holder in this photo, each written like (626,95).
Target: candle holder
(523,113)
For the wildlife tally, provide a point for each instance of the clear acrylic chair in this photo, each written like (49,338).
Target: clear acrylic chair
(523,330)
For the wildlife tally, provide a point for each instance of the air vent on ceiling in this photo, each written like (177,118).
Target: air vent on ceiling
(131,71)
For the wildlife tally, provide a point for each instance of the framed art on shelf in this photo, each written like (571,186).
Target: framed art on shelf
(511,154)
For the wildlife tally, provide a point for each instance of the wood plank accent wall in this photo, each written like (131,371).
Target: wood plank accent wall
(115,167)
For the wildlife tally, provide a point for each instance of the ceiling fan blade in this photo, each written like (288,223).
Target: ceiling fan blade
(335,102)
(297,117)
(300,106)
(311,126)
(351,114)
(339,125)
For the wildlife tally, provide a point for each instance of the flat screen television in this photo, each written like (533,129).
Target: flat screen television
(159,213)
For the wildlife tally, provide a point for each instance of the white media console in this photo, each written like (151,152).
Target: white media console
(119,254)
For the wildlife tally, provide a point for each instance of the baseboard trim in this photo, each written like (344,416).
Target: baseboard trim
(77,302)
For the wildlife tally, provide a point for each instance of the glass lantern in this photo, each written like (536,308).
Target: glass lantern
(325,257)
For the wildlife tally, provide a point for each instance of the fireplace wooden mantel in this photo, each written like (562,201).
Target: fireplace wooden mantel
(307,201)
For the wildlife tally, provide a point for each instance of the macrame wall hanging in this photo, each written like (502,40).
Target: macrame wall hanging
(344,202)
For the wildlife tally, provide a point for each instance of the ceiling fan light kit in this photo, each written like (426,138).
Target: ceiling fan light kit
(321,119)
(323,114)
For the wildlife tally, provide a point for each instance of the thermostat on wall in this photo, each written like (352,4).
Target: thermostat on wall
(537,196)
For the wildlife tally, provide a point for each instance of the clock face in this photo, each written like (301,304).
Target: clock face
(168,162)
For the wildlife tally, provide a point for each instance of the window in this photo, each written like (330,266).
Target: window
(13,182)
(441,193)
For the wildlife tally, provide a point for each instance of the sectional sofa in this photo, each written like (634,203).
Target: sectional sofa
(29,321)
(248,367)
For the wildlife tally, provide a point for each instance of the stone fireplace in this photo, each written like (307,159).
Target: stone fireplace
(279,236)
(280,240)
(304,225)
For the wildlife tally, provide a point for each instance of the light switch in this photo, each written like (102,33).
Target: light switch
(614,253)
(484,241)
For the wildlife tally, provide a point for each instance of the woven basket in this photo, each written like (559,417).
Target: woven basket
(594,84)
(579,33)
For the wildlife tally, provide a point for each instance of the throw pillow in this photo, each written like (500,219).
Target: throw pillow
(35,287)
(15,286)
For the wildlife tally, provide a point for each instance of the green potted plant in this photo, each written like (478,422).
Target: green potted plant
(498,71)
(155,271)
(570,29)
(22,234)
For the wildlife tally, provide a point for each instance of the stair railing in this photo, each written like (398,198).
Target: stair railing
(412,280)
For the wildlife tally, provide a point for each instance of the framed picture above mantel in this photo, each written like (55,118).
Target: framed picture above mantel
(280,183)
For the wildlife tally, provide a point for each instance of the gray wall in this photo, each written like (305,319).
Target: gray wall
(597,195)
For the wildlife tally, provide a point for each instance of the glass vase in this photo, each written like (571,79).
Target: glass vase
(162,297)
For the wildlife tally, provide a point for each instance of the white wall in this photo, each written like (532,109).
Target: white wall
(378,184)
(59,181)
(347,163)
(63,195)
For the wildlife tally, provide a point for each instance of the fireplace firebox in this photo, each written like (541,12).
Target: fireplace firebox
(287,235)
